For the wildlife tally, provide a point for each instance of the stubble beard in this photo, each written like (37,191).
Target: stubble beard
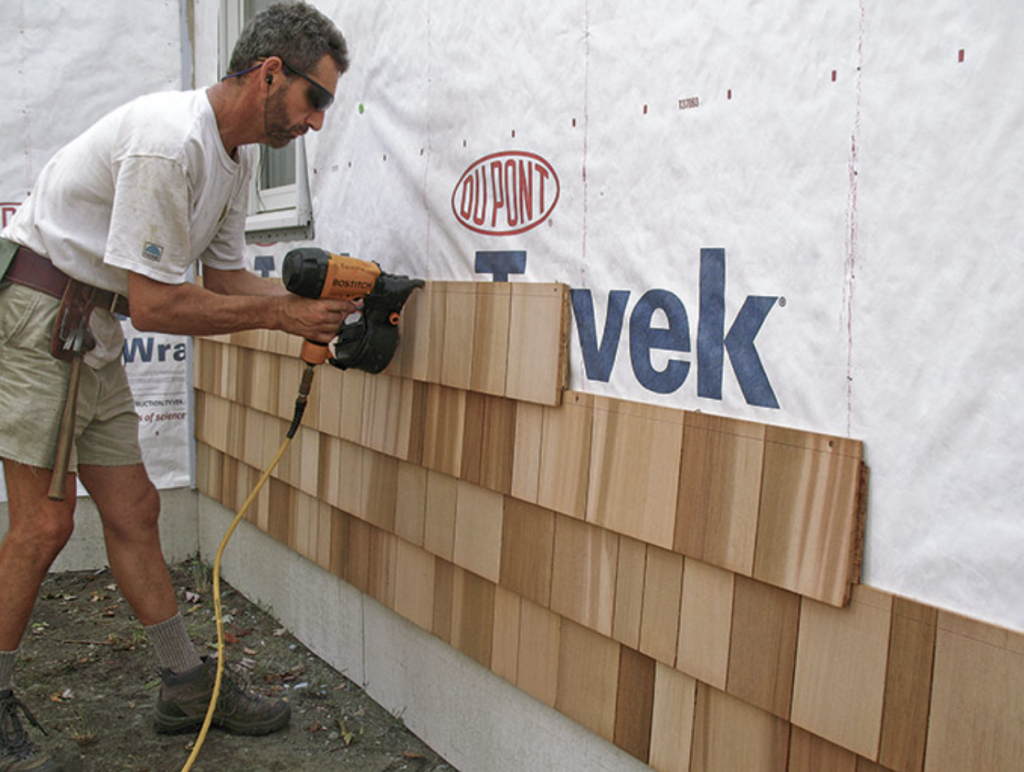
(275,122)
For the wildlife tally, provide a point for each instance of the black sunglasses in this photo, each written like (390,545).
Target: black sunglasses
(319,97)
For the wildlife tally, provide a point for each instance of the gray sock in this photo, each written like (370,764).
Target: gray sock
(174,649)
(6,668)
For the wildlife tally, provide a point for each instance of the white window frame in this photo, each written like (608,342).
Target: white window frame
(281,213)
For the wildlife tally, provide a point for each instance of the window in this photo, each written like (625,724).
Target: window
(279,206)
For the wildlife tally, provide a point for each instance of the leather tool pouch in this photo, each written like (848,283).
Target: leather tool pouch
(73,316)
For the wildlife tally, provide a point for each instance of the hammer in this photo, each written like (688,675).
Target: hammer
(75,347)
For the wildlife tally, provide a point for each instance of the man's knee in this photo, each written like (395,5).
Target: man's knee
(133,513)
(43,534)
(55,533)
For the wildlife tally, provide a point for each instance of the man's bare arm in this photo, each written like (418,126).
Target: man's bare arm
(240,282)
(186,309)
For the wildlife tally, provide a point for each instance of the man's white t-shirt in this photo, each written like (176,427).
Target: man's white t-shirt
(149,188)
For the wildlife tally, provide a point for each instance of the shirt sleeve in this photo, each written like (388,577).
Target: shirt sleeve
(149,225)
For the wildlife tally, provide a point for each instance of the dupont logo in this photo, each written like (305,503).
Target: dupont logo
(506,193)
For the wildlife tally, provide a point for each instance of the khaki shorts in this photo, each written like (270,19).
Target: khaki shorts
(33,387)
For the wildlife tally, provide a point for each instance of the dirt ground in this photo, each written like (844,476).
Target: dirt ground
(89,675)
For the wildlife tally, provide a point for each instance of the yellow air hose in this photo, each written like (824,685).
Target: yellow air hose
(300,407)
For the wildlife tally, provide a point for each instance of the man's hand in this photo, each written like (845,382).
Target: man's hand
(317,320)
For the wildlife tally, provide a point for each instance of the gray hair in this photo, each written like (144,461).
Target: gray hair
(296,32)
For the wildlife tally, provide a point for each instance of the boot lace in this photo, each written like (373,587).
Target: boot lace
(235,694)
(14,742)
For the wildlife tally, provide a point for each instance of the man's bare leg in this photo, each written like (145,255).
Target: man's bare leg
(129,507)
(38,530)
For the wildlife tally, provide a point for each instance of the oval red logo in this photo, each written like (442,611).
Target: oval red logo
(506,193)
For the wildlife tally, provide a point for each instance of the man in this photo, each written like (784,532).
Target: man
(126,208)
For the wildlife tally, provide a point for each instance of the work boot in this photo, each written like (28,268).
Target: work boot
(184,699)
(17,753)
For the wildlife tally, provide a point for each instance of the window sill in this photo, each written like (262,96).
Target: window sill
(280,225)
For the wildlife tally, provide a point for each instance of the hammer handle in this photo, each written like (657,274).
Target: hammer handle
(58,482)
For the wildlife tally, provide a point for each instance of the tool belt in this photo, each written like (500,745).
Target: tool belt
(78,300)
